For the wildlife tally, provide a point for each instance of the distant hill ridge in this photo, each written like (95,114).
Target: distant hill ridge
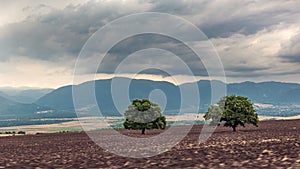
(59,102)
(23,95)
(263,92)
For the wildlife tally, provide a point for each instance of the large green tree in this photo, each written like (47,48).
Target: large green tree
(143,114)
(233,110)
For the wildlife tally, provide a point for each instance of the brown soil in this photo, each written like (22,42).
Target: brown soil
(274,144)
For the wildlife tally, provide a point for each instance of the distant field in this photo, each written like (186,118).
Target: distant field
(73,124)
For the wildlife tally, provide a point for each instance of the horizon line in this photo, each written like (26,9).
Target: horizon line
(154,80)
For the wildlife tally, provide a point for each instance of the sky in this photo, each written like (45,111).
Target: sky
(40,41)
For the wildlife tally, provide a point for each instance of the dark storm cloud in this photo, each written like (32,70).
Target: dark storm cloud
(178,7)
(245,69)
(241,26)
(250,23)
(63,32)
(225,18)
(145,41)
(59,33)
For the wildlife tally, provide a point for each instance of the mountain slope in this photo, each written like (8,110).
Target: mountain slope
(11,109)
(265,92)
(62,97)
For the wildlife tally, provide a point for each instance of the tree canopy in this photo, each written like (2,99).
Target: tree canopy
(234,111)
(143,114)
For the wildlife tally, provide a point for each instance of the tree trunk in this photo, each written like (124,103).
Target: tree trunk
(143,131)
(234,128)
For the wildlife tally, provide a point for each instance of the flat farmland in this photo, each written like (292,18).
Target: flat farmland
(274,144)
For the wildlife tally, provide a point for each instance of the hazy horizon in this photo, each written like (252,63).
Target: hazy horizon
(139,78)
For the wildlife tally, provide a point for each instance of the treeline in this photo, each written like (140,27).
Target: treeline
(12,132)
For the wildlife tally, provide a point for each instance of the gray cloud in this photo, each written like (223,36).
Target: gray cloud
(58,34)
(245,69)
(61,32)
(178,7)
(225,18)
(290,51)
(145,41)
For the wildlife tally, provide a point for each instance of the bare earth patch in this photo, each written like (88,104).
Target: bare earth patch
(274,144)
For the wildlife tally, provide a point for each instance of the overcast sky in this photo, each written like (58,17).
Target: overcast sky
(40,40)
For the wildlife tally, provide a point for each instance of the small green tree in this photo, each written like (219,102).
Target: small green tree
(234,110)
(143,114)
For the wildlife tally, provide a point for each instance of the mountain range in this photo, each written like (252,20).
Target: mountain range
(58,103)
(23,95)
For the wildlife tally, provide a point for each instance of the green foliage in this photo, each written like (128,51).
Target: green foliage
(143,114)
(214,113)
(234,110)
